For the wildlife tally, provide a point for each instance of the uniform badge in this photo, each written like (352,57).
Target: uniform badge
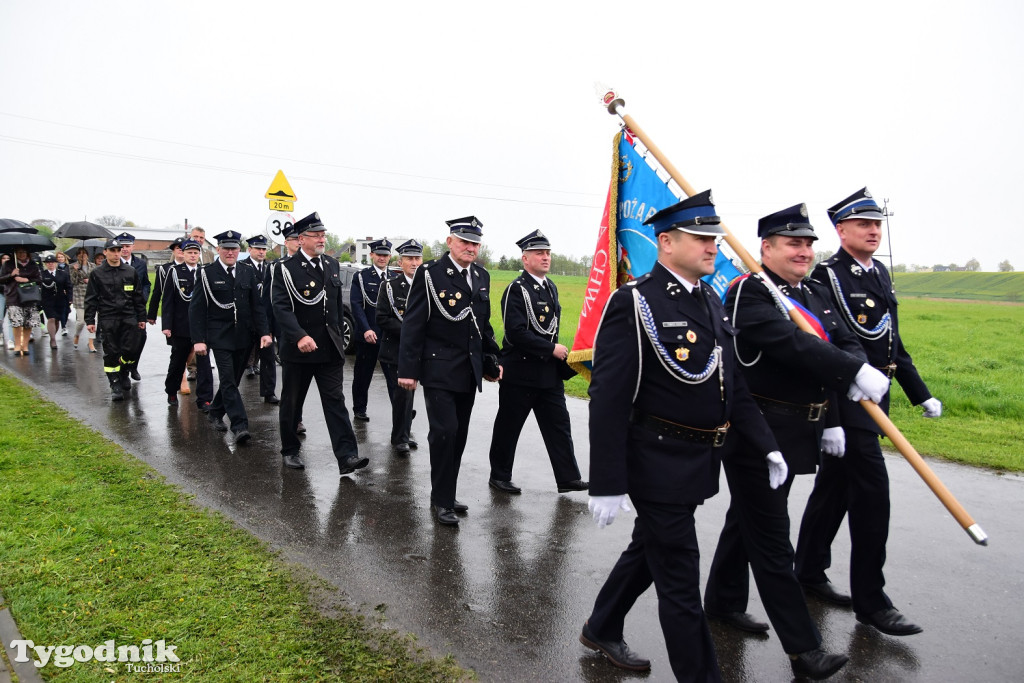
(862,318)
(441,293)
(691,337)
(870,303)
(546,309)
(540,318)
(401,311)
(450,271)
(182,289)
(682,353)
(458,295)
(305,292)
(312,283)
(856,270)
(451,303)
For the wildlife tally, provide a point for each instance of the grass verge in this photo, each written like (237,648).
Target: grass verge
(95,546)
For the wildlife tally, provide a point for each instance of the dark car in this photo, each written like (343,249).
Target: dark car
(348,272)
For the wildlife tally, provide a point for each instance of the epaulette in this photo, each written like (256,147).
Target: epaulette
(431,263)
(639,281)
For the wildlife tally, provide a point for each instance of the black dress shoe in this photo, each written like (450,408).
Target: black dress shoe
(827,592)
(250,372)
(352,463)
(740,620)
(294,462)
(217,423)
(445,516)
(574,485)
(617,652)
(300,429)
(460,507)
(134,372)
(816,664)
(362,417)
(504,486)
(172,400)
(413,444)
(890,622)
(271,399)
(204,406)
(191,377)
(402,448)
(241,436)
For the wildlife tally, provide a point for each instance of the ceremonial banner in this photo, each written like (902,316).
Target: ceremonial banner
(626,248)
(725,273)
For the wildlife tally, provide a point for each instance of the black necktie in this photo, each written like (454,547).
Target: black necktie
(465,274)
(231,272)
(316,264)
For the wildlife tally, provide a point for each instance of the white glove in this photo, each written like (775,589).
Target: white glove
(870,384)
(777,469)
(604,508)
(833,442)
(932,407)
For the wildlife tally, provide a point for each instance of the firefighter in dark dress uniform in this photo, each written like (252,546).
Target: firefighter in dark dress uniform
(225,314)
(666,393)
(534,372)
(391,305)
(307,296)
(857,481)
(364,295)
(114,298)
(263,357)
(141,266)
(177,295)
(794,378)
(448,346)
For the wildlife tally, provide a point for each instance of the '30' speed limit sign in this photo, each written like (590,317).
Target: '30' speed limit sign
(276,225)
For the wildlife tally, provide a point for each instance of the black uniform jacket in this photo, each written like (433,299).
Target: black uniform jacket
(863,298)
(531,315)
(114,293)
(437,351)
(295,281)
(141,266)
(177,294)
(628,458)
(226,329)
(55,288)
(363,296)
(263,283)
(159,282)
(391,305)
(782,363)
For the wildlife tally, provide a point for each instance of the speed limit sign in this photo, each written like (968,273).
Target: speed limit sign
(276,224)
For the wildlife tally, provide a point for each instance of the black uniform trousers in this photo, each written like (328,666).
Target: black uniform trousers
(268,369)
(663,551)
(330,382)
(362,373)
(401,409)
(120,340)
(228,400)
(857,482)
(515,401)
(448,413)
(756,531)
(181,347)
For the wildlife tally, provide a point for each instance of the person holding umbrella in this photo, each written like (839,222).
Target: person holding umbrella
(80,271)
(24,315)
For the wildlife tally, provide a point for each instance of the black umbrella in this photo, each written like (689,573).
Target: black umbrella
(9,241)
(92,247)
(83,230)
(12,225)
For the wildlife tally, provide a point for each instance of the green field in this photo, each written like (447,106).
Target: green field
(967,352)
(975,286)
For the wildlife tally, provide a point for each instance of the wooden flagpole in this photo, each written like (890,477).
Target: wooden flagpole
(616,107)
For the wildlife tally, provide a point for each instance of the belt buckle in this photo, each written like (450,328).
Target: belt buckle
(814,411)
(719,436)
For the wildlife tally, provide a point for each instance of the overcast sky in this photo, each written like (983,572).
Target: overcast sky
(389,118)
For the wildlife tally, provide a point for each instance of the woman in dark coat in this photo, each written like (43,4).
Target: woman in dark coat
(56,285)
(17,271)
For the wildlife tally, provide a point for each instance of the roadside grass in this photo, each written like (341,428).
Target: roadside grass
(961,285)
(95,546)
(969,354)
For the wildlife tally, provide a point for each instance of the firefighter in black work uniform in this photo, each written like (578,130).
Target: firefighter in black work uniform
(114,295)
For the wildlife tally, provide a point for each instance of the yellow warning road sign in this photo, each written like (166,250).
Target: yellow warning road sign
(280,189)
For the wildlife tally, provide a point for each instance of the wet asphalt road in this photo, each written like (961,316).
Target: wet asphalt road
(508,590)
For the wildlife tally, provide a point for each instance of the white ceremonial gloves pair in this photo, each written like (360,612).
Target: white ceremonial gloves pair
(833,442)
(869,384)
(604,508)
(932,407)
(777,469)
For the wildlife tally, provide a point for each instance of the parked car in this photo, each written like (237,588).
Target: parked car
(348,273)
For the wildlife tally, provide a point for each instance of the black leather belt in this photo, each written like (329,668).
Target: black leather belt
(887,370)
(674,430)
(811,411)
